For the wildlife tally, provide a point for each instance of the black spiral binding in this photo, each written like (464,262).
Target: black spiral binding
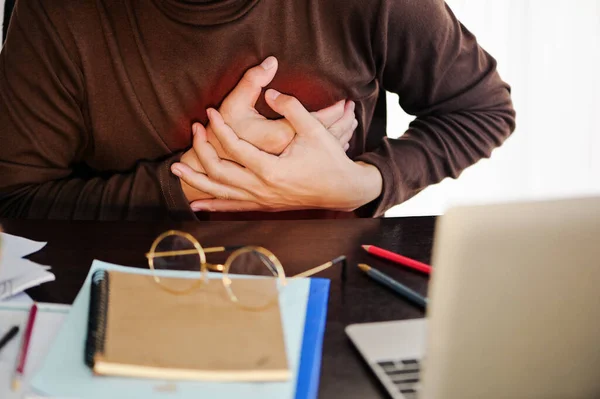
(96,331)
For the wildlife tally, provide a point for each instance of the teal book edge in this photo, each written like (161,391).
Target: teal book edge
(307,386)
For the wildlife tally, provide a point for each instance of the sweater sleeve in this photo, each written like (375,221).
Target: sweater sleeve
(44,134)
(443,77)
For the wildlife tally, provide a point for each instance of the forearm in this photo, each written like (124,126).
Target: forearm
(150,192)
(442,76)
(434,148)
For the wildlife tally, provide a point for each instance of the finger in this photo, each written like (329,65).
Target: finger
(272,136)
(205,150)
(218,205)
(247,91)
(190,158)
(205,135)
(199,132)
(208,157)
(288,106)
(239,150)
(203,183)
(212,139)
(328,116)
(347,135)
(342,127)
(218,169)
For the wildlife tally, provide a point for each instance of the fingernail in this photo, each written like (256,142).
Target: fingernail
(268,63)
(273,94)
(212,116)
(176,171)
(195,128)
(197,208)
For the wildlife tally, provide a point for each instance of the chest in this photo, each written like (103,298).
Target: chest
(156,77)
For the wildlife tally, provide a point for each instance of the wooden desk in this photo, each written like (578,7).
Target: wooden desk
(299,244)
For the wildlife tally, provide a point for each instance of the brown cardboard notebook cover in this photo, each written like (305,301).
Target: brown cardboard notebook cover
(137,329)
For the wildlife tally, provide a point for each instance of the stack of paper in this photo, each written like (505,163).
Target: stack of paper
(63,373)
(18,274)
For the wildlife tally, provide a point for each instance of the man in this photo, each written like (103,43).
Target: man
(98,100)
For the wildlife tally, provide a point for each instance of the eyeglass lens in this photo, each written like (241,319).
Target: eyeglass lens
(259,293)
(176,252)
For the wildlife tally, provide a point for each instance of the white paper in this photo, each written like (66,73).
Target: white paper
(17,274)
(48,321)
(16,267)
(17,247)
(12,250)
(17,285)
(21,298)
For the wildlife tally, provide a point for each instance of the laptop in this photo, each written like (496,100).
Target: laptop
(514,308)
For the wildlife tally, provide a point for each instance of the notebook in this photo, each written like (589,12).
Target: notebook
(303,307)
(138,329)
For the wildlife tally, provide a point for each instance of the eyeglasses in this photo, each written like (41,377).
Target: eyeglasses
(177,250)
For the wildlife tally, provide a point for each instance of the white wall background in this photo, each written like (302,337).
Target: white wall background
(549,52)
(1,18)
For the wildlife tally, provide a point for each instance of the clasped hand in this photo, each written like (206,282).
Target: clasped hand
(302,166)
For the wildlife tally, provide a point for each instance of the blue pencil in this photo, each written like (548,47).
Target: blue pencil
(394,285)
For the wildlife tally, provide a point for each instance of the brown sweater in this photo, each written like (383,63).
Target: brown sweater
(97,97)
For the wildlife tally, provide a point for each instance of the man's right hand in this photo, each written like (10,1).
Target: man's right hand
(271,136)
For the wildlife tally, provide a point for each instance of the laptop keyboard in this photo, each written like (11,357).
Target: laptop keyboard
(403,375)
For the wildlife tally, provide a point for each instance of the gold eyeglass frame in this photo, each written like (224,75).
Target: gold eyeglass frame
(227,281)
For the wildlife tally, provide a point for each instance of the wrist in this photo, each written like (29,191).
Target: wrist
(369,183)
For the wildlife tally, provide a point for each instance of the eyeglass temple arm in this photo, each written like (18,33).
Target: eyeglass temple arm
(222,249)
(315,270)
(209,250)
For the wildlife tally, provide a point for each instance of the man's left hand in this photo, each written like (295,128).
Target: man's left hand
(312,173)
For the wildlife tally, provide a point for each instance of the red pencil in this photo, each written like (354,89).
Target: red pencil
(394,257)
(24,348)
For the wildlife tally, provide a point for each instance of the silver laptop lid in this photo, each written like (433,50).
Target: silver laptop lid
(515,302)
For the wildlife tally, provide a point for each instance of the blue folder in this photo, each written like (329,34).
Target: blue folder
(312,344)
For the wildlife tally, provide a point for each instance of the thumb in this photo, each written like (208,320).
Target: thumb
(301,120)
(247,91)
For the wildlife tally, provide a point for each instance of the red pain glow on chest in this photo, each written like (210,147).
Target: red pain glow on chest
(312,90)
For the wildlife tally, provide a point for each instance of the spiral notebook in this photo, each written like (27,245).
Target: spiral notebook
(303,306)
(137,329)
